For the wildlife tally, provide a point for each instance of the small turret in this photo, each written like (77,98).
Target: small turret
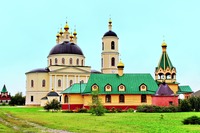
(58,38)
(120,67)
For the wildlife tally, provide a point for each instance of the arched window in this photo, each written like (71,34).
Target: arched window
(121,98)
(81,62)
(168,76)
(43,83)
(173,76)
(66,100)
(59,83)
(102,46)
(112,45)
(112,61)
(77,61)
(32,83)
(63,60)
(56,61)
(108,99)
(160,76)
(70,82)
(70,61)
(143,98)
(50,62)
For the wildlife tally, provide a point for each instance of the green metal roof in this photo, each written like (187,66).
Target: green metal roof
(132,83)
(184,89)
(165,62)
(74,89)
(4,90)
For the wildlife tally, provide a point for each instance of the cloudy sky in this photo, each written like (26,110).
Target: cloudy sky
(28,30)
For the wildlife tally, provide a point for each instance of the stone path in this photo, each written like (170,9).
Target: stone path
(10,122)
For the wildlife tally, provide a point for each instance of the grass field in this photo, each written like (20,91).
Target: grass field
(18,117)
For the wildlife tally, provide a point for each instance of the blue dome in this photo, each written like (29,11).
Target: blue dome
(110,33)
(66,48)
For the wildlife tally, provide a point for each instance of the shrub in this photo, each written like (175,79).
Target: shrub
(54,105)
(130,110)
(82,110)
(113,110)
(153,108)
(119,110)
(191,120)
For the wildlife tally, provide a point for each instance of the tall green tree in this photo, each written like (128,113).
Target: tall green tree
(18,99)
(96,108)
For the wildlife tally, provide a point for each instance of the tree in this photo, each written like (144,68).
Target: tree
(185,105)
(18,99)
(96,108)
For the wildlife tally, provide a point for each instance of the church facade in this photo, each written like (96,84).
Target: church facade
(73,82)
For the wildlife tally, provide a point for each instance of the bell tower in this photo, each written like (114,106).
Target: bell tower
(110,54)
(165,71)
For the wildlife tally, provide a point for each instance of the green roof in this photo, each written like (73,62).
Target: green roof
(165,62)
(184,89)
(74,89)
(132,83)
(4,90)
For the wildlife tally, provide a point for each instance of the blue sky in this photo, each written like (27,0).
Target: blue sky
(28,30)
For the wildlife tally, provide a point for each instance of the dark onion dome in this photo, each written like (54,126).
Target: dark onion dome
(110,33)
(95,71)
(52,93)
(66,48)
(39,70)
(44,98)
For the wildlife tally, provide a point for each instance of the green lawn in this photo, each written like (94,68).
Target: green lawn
(110,122)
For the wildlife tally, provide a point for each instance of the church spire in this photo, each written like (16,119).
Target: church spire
(165,71)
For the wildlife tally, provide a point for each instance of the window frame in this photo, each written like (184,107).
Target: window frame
(121,98)
(77,61)
(112,45)
(43,83)
(32,83)
(56,61)
(108,98)
(143,98)
(59,83)
(63,61)
(113,61)
(70,61)
(32,98)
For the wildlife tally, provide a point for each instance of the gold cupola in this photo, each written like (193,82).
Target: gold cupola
(75,33)
(164,46)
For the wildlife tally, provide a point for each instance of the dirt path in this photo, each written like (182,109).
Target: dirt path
(20,125)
